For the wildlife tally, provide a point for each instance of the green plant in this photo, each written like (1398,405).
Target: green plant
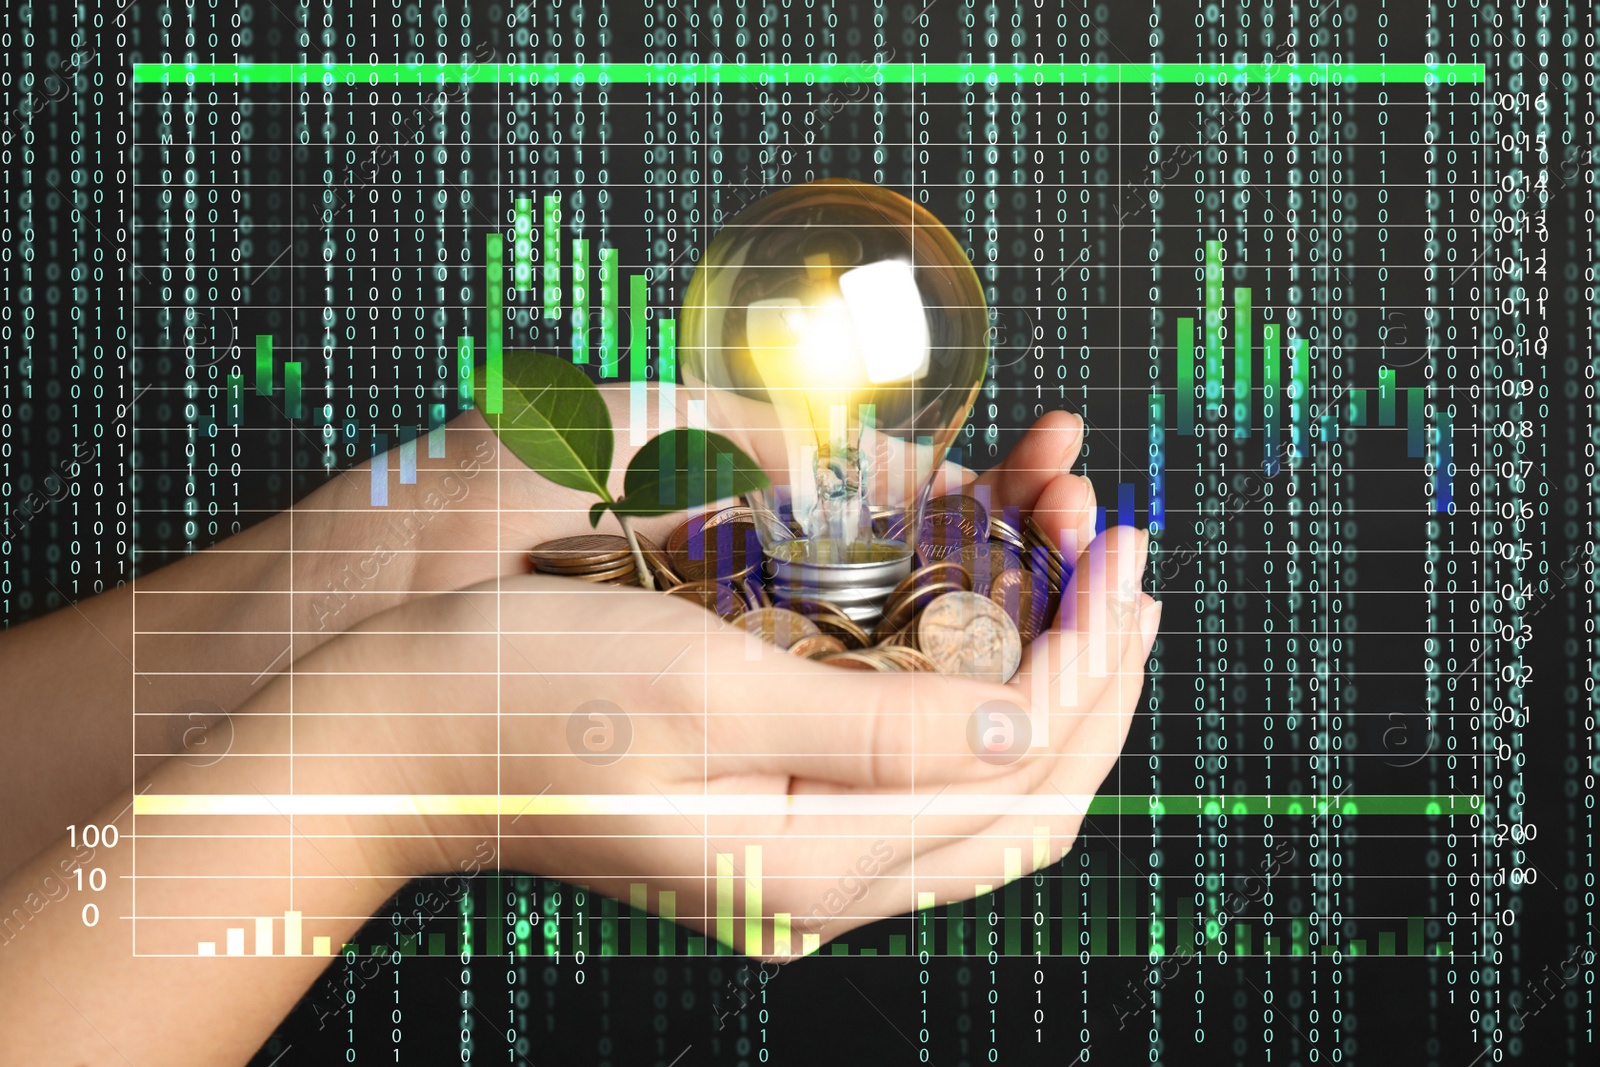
(555,420)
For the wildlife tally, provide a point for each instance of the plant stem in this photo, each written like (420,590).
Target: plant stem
(646,579)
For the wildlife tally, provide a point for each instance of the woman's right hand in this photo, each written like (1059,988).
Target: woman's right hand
(642,738)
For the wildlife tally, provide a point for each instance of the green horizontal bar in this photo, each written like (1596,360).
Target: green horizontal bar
(768,73)
(1284,804)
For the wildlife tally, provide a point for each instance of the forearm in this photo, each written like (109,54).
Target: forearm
(75,993)
(160,664)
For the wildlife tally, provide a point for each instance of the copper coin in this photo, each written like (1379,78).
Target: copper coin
(625,573)
(853,661)
(913,603)
(1025,598)
(729,550)
(968,634)
(777,626)
(715,597)
(984,562)
(816,646)
(656,559)
(830,620)
(1000,530)
(943,571)
(584,552)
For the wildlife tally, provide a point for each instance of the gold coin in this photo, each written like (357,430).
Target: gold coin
(968,634)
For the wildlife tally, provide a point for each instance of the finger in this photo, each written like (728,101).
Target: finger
(773,713)
(955,862)
(1067,667)
(1049,447)
(1065,513)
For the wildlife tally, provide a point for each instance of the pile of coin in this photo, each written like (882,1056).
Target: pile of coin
(985,587)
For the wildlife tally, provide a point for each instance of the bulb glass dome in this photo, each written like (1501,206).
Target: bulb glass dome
(844,330)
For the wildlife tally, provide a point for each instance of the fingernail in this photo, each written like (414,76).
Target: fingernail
(1150,623)
(1067,462)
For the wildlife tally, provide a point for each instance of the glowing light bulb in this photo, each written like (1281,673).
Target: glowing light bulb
(842,328)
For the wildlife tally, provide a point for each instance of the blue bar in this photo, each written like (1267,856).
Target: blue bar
(1124,503)
(408,461)
(1414,428)
(1099,521)
(436,432)
(1158,463)
(380,471)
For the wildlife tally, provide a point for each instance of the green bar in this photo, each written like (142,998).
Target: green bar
(608,312)
(1414,422)
(263,364)
(1213,327)
(839,948)
(464,373)
(868,952)
(1127,913)
(1242,378)
(1386,943)
(637,900)
(1071,920)
(897,944)
(580,300)
(1358,947)
(1241,940)
(235,399)
(1414,936)
(1385,396)
(291,390)
(667,375)
(1358,407)
(724,903)
(436,945)
(1186,377)
(667,930)
(638,362)
(494,325)
(726,72)
(696,946)
(552,256)
(1444,948)
(522,245)
(1301,404)
(1158,924)
(1272,398)
(753,908)
(1270,946)
(408,944)
(1299,934)
(955,929)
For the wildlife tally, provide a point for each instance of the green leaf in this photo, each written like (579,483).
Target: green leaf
(682,468)
(555,421)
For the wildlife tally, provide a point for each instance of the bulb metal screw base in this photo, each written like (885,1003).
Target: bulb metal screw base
(859,589)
